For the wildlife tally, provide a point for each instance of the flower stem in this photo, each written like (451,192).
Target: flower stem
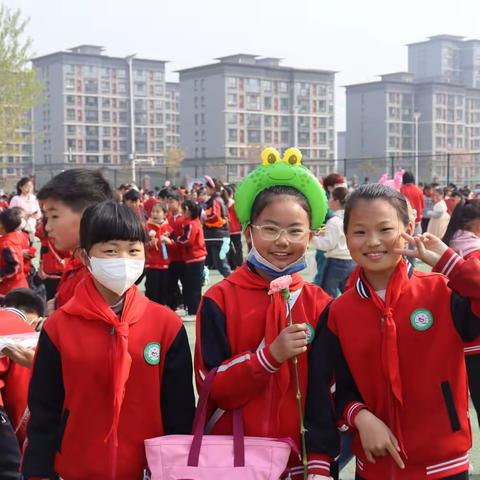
(299,403)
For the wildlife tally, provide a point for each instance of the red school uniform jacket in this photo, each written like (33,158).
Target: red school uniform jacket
(71,396)
(403,360)
(27,261)
(14,378)
(74,272)
(236,323)
(416,199)
(473,348)
(52,260)
(11,263)
(174,250)
(155,259)
(233,222)
(192,241)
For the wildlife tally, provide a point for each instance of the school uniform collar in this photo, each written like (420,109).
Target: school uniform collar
(362,287)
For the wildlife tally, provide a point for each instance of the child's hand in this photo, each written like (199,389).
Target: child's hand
(377,439)
(428,248)
(21,355)
(291,341)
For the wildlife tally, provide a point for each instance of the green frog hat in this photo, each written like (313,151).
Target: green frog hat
(274,171)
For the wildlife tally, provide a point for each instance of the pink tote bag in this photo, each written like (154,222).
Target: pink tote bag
(216,457)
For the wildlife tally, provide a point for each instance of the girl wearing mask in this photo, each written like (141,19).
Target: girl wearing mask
(112,367)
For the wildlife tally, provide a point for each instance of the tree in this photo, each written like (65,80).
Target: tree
(19,89)
(173,162)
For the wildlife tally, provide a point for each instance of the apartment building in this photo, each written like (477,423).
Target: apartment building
(102,112)
(430,113)
(230,110)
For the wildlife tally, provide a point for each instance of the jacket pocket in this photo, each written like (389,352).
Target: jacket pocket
(450,404)
(61,429)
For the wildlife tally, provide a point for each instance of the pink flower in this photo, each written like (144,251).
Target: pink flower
(279,284)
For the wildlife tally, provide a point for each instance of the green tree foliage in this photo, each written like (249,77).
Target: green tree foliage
(19,89)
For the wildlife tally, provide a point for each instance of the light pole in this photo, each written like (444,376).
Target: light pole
(129,60)
(416,116)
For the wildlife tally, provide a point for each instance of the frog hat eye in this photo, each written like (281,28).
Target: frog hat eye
(270,156)
(293,156)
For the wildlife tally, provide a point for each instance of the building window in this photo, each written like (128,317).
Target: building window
(267,85)
(91,86)
(253,136)
(70,84)
(232,118)
(231,82)
(232,151)
(253,120)
(283,87)
(71,114)
(303,138)
(231,99)
(267,103)
(232,170)
(253,85)
(70,100)
(232,135)
(253,102)
(267,136)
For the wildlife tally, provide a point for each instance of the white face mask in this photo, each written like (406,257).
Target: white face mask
(116,274)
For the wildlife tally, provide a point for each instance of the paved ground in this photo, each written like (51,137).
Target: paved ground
(348,472)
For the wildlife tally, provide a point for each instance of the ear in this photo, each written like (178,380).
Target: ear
(410,228)
(248,234)
(84,257)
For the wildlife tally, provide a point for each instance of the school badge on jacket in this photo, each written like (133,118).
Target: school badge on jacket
(151,353)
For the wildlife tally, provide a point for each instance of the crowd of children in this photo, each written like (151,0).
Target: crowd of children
(374,347)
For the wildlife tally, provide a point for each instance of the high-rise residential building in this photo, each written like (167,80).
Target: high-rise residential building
(431,113)
(102,112)
(172,115)
(231,109)
(17,160)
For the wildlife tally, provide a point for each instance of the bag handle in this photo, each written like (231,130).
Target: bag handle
(199,427)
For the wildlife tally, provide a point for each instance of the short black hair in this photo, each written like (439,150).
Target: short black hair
(193,207)
(340,194)
(376,191)
(77,188)
(11,219)
(268,195)
(23,181)
(408,177)
(175,195)
(25,300)
(108,221)
(132,195)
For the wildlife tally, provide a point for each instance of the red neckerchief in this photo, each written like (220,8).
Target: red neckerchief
(90,305)
(390,358)
(276,318)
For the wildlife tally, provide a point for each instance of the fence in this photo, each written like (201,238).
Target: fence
(459,168)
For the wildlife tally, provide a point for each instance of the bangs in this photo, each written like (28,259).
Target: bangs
(109,221)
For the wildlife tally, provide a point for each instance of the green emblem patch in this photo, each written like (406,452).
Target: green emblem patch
(421,319)
(151,353)
(310,333)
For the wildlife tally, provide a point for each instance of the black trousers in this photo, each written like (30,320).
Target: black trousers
(156,285)
(460,476)
(473,371)
(9,450)
(51,285)
(213,252)
(192,286)
(175,274)
(235,255)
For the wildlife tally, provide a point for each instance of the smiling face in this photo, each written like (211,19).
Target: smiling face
(373,232)
(284,212)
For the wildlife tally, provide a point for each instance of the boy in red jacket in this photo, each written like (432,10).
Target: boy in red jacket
(12,274)
(64,199)
(157,261)
(25,308)
(194,253)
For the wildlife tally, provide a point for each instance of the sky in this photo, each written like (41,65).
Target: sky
(359,39)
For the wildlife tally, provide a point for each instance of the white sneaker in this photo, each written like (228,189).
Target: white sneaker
(189,318)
